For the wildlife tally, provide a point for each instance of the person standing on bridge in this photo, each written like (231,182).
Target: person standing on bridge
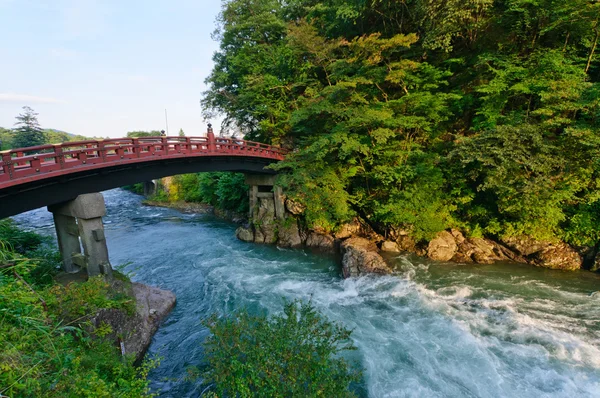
(162,133)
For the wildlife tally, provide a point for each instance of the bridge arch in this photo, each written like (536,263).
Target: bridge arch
(50,174)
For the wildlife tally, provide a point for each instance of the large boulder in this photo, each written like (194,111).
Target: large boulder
(389,246)
(443,247)
(136,331)
(294,207)
(480,250)
(360,257)
(524,245)
(545,253)
(558,256)
(245,234)
(320,241)
(349,229)
(288,233)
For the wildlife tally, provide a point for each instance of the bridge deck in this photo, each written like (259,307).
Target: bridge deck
(25,165)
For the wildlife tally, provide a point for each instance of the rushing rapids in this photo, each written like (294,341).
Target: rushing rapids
(429,330)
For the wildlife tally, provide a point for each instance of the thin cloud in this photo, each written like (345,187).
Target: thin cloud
(30,99)
(63,53)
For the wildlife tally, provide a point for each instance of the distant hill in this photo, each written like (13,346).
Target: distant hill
(53,136)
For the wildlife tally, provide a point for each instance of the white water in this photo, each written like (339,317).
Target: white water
(430,330)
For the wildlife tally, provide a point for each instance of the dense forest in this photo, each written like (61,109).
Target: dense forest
(422,115)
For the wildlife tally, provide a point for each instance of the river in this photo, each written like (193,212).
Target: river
(429,330)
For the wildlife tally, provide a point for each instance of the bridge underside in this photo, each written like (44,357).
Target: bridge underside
(60,189)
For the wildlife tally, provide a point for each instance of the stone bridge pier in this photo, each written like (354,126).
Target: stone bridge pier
(263,187)
(269,221)
(79,225)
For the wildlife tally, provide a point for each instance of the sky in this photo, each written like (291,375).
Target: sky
(105,67)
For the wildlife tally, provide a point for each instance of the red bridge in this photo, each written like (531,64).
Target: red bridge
(49,174)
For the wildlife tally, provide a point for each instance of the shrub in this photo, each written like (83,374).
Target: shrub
(45,349)
(295,354)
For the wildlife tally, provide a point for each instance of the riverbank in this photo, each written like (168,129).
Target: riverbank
(67,334)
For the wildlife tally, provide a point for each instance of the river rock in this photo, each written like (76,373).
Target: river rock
(245,234)
(479,250)
(136,331)
(294,207)
(389,246)
(596,263)
(349,229)
(360,257)
(558,256)
(289,233)
(524,245)
(443,247)
(320,241)
(545,254)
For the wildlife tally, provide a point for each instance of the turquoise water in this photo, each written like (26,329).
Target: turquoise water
(429,330)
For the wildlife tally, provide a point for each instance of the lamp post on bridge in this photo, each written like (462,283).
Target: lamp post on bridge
(210,137)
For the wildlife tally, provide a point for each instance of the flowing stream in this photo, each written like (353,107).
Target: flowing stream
(429,330)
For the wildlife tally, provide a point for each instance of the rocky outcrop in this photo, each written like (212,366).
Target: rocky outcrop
(545,254)
(481,251)
(596,264)
(136,331)
(288,233)
(320,241)
(443,247)
(245,233)
(347,230)
(524,245)
(389,246)
(360,257)
(557,256)
(294,207)
(453,246)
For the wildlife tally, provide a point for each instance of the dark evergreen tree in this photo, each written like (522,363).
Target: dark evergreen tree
(28,131)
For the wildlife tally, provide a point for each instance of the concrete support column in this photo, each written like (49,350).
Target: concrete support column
(67,234)
(279,202)
(94,246)
(88,209)
(253,198)
(149,188)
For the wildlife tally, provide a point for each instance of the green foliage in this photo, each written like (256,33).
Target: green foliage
(137,188)
(225,190)
(295,354)
(47,349)
(135,134)
(17,239)
(6,139)
(423,114)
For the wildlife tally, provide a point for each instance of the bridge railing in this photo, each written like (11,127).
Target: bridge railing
(63,158)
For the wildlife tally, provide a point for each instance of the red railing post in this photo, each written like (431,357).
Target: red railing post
(7,165)
(136,147)
(58,155)
(210,136)
(164,145)
(101,150)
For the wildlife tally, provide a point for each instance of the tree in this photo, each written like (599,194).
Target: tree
(6,138)
(295,354)
(181,133)
(28,131)
(423,115)
(135,134)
